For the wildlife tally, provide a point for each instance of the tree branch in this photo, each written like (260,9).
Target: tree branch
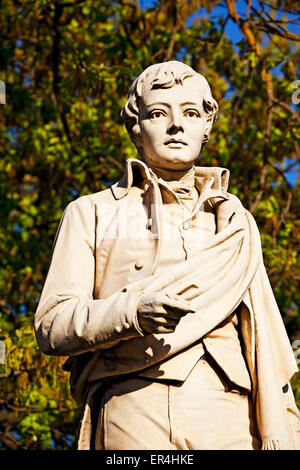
(260,191)
(287,107)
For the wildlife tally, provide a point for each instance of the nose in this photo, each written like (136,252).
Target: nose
(175,123)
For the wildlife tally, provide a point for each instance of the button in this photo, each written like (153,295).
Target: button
(118,329)
(139,264)
(186,225)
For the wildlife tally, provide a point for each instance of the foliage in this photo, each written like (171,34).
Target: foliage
(67,66)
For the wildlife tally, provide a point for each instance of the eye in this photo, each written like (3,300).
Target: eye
(192,113)
(156,114)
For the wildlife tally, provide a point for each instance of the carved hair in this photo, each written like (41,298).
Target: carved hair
(164,75)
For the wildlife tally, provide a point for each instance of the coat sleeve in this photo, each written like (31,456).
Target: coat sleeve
(68,321)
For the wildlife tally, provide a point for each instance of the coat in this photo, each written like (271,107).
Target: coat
(88,310)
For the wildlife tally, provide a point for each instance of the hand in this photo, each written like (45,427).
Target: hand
(160,313)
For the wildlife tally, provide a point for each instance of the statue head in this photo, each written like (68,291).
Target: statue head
(169,114)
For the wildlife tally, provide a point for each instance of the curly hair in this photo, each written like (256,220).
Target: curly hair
(164,75)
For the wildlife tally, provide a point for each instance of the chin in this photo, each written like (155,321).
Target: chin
(180,162)
(170,161)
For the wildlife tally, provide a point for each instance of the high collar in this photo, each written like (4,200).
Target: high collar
(174,175)
(214,178)
(180,182)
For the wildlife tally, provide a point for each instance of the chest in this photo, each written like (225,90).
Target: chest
(127,244)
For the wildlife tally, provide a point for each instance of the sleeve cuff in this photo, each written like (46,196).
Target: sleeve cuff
(125,321)
(133,301)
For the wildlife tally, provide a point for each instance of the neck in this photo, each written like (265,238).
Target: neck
(174,175)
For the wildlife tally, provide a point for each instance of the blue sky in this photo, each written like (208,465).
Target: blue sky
(233,33)
(231,29)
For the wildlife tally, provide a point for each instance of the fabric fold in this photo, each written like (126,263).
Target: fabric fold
(215,282)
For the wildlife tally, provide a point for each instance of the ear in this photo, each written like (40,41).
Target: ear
(207,130)
(136,135)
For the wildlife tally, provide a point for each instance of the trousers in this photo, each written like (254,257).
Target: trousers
(202,413)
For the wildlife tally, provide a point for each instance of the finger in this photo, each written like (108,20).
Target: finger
(166,321)
(176,312)
(164,329)
(161,319)
(177,303)
(154,327)
(172,313)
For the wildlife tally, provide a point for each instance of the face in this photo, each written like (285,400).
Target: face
(172,125)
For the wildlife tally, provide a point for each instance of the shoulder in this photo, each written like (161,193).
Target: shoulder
(238,208)
(228,204)
(85,208)
(235,202)
(89,201)
(231,207)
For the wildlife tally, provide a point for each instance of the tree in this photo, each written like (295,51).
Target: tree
(67,66)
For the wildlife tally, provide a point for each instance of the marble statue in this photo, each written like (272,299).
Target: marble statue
(158,294)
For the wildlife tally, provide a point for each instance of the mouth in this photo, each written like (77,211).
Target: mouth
(175,141)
